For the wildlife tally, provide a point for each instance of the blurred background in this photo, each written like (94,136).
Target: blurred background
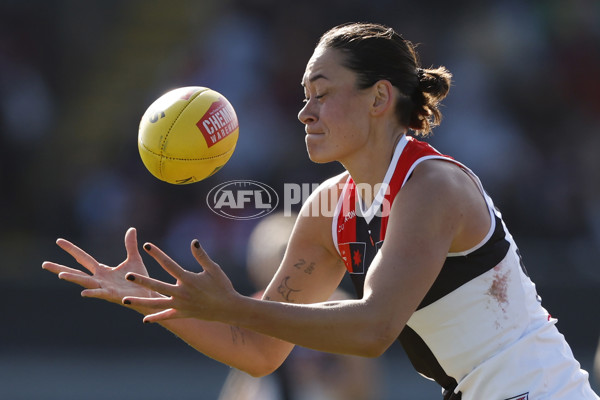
(75,78)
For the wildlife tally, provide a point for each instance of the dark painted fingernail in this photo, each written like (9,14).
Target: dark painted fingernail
(196,243)
(146,322)
(147,247)
(126,302)
(130,278)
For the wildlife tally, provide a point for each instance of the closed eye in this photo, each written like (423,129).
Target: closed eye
(306,100)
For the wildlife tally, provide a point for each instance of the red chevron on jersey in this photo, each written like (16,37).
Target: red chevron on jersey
(413,151)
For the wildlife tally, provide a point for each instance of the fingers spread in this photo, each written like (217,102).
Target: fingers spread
(58,268)
(80,278)
(71,275)
(153,284)
(79,255)
(162,316)
(99,293)
(154,303)
(202,257)
(165,261)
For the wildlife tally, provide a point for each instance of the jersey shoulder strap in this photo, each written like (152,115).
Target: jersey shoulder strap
(412,154)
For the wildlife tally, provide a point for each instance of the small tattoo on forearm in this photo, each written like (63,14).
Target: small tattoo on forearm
(306,268)
(285,290)
(237,335)
(310,268)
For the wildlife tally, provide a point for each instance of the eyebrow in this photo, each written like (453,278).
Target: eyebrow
(314,78)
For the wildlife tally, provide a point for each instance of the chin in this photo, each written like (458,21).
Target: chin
(317,150)
(319,157)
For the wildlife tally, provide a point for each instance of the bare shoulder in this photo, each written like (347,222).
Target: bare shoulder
(441,172)
(323,200)
(333,184)
(444,189)
(316,216)
(445,181)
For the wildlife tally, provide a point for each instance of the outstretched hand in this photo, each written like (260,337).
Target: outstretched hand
(207,295)
(102,281)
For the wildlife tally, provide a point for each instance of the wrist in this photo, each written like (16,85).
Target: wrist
(243,311)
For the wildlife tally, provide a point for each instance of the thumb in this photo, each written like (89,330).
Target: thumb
(131,244)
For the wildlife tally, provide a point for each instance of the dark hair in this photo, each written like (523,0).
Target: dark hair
(375,52)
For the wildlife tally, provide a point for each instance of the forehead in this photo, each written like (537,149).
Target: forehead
(324,63)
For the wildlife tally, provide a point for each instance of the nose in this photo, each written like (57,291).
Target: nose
(306,116)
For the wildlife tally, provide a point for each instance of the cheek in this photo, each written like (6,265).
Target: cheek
(346,115)
(353,124)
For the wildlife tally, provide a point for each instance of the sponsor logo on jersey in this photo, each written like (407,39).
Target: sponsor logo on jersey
(353,254)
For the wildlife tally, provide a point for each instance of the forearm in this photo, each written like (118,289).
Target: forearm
(344,327)
(246,350)
(249,351)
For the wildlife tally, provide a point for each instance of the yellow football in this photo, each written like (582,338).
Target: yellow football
(187,135)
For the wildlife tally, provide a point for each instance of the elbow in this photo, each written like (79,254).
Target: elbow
(381,325)
(378,340)
(374,351)
(261,366)
(263,358)
(257,373)
(260,371)
(377,347)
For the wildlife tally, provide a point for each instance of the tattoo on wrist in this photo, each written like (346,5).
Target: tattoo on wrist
(237,335)
(307,268)
(286,291)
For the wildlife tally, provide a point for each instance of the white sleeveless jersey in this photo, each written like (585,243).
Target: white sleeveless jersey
(480,331)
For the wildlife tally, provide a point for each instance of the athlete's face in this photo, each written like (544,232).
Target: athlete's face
(335,113)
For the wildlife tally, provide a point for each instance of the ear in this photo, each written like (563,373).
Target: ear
(383,96)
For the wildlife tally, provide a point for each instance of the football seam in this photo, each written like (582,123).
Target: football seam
(162,145)
(162,156)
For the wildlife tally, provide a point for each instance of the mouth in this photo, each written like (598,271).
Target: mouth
(309,133)
(312,136)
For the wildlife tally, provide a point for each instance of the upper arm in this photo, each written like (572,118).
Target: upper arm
(431,215)
(311,268)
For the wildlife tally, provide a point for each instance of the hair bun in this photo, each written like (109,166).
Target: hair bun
(435,82)
(433,85)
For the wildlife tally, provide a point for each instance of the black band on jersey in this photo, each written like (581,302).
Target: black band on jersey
(459,270)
